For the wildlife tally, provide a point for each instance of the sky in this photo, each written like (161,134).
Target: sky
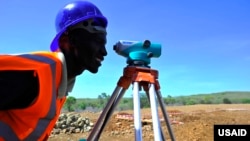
(205,43)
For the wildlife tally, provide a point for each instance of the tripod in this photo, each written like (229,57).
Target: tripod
(140,77)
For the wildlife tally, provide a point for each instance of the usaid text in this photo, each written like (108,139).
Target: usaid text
(235,132)
(232,132)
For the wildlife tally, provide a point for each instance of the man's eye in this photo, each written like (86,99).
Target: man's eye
(100,41)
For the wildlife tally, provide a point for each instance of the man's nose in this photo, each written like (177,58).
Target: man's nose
(104,51)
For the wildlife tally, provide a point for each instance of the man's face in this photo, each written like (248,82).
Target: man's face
(89,50)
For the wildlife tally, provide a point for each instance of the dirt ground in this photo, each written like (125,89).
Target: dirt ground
(189,123)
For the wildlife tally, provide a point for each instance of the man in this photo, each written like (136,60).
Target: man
(33,87)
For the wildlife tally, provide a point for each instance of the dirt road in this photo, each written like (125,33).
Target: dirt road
(189,123)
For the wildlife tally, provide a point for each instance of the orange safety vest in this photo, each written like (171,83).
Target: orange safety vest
(35,122)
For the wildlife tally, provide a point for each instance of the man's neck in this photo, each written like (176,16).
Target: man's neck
(73,68)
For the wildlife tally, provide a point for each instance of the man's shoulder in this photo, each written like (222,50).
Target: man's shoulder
(57,56)
(31,57)
(46,53)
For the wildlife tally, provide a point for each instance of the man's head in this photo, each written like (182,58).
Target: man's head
(83,50)
(81,36)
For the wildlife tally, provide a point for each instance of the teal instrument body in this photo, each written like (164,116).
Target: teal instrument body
(138,51)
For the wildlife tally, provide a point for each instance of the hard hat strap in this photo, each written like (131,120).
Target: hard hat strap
(90,25)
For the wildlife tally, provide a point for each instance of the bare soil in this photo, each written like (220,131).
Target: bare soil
(189,123)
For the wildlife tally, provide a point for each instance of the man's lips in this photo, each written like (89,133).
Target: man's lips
(99,58)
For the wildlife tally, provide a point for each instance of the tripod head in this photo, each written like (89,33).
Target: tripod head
(138,53)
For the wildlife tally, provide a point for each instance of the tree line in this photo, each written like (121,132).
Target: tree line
(126,103)
(72,104)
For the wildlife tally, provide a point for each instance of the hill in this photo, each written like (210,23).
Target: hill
(226,97)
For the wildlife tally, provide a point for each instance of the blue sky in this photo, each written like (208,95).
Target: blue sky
(205,43)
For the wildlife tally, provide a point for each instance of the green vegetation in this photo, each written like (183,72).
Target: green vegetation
(126,103)
(215,98)
(70,101)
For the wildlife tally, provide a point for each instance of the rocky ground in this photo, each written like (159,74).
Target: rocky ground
(189,123)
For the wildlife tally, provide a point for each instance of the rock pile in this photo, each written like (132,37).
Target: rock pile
(72,123)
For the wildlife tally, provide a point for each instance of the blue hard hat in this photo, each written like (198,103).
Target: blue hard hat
(73,13)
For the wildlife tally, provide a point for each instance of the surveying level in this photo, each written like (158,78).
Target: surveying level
(138,52)
(140,75)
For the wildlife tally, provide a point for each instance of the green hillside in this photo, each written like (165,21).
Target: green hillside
(216,98)
(98,103)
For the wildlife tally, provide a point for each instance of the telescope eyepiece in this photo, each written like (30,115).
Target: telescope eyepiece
(146,44)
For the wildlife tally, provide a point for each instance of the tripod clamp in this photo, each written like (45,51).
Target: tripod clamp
(140,77)
(138,74)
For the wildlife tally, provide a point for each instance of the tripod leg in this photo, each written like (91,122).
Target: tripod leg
(137,113)
(118,99)
(110,112)
(165,115)
(155,118)
(162,135)
(103,118)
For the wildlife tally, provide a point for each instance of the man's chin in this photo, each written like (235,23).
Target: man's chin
(79,72)
(93,70)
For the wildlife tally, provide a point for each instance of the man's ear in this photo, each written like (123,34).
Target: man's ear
(64,43)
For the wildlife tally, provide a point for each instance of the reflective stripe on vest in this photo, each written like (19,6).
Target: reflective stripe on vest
(7,132)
